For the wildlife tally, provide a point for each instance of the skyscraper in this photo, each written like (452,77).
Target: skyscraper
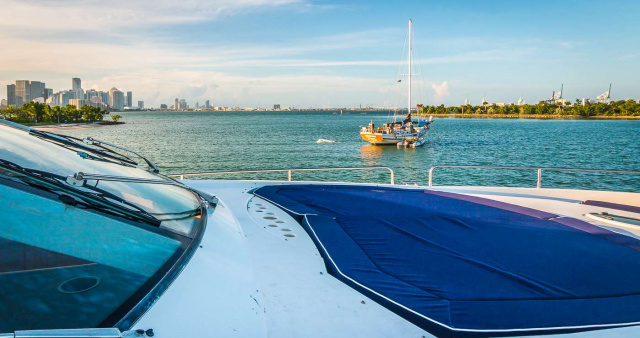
(11,95)
(141,104)
(206,104)
(104,96)
(116,99)
(176,104)
(76,84)
(129,100)
(36,89)
(23,92)
(76,88)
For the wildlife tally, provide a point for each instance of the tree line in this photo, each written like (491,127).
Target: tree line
(615,108)
(41,113)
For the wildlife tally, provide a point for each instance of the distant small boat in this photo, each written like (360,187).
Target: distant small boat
(323,140)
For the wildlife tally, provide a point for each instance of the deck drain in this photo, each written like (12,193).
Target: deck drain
(285,229)
(270,217)
(259,210)
(280,222)
(270,213)
(273,225)
(289,235)
(259,204)
(263,208)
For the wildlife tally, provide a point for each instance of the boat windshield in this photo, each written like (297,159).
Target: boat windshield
(85,256)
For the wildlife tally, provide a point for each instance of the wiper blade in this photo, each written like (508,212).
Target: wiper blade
(92,141)
(75,142)
(100,199)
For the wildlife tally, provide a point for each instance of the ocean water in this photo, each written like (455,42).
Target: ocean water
(218,141)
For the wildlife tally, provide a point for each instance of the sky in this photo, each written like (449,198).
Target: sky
(324,53)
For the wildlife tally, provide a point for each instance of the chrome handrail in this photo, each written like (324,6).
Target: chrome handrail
(538,169)
(288,171)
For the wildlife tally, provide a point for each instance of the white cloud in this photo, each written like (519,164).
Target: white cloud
(441,91)
(96,15)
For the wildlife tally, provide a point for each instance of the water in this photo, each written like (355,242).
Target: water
(216,141)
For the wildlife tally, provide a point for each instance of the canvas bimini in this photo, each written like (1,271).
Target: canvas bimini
(401,133)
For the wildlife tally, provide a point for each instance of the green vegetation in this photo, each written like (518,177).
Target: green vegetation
(34,113)
(116,118)
(629,108)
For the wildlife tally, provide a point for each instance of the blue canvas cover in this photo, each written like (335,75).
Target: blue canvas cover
(458,265)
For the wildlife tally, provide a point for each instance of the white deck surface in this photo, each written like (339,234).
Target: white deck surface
(250,280)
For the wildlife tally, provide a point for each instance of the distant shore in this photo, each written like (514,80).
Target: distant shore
(537,117)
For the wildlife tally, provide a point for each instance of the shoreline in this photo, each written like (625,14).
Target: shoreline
(535,117)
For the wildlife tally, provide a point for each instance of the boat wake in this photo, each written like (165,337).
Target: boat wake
(323,140)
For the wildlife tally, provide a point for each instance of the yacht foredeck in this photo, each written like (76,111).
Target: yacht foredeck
(271,279)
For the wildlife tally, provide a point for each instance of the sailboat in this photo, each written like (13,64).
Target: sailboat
(401,133)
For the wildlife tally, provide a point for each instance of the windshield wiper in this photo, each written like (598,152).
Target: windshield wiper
(99,143)
(80,180)
(98,199)
(77,143)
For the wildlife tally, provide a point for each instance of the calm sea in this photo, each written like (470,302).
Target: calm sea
(215,141)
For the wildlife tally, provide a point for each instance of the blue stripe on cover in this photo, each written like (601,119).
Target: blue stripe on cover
(457,266)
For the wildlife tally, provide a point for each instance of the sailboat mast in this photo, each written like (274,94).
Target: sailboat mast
(409,103)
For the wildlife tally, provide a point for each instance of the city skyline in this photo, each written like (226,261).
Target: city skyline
(324,54)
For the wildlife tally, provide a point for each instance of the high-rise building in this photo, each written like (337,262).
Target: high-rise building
(104,96)
(141,104)
(48,92)
(116,99)
(76,89)
(90,94)
(11,95)
(36,89)
(129,100)
(207,104)
(183,104)
(78,103)
(163,106)
(76,84)
(176,104)
(62,98)
(23,92)
(276,107)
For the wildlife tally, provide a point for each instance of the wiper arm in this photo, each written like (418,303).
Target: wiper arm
(92,141)
(71,141)
(80,179)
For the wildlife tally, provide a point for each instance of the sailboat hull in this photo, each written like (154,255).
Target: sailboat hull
(380,138)
(392,139)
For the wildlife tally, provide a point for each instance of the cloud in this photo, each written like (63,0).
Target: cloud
(96,15)
(569,44)
(441,91)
